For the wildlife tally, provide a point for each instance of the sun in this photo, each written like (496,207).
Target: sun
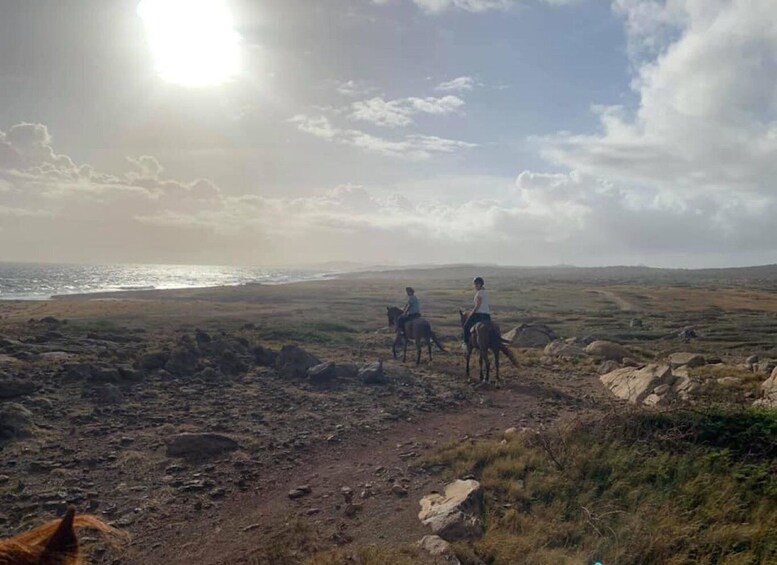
(194,42)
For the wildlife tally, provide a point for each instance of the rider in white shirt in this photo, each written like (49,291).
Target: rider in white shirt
(481,312)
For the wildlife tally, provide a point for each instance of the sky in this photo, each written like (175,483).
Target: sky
(291,132)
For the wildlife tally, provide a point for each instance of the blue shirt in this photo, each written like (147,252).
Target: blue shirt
(414,306)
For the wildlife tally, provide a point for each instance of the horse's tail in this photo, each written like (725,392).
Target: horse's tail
(434,339)
(507,351)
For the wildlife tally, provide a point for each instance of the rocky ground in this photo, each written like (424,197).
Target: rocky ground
(202,436)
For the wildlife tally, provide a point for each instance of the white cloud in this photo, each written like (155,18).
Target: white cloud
(458,84)
(476,6)
(412,147)
(706,123)
(398,113)
(354,88)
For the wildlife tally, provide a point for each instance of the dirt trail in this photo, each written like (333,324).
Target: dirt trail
(234,528)
(619,301)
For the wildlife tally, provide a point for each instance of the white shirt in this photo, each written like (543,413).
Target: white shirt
(484,309)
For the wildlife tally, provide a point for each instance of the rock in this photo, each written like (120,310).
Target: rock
(765,367)
(264,357)
(13,388)
(201,337)
(437,547)
(456,514)
(154,360)
(231,364)
(299,492)
(372,373)
(607,350)
(510,432)
(15,422)
(634,384)
(211,375)
(128,374)
(636,323)
(631,362)
(769,391)
(322,373)
(728,381)
(714,360)
(199,444)
(685,386)
(563,350)
(109,394)
(685,359)
(752,360)
(100,375)
(294,362)
(687,334)
(608,367)
(182,362)
(530,335)
(398,490)
(657,399)
(660,390)
(346,371)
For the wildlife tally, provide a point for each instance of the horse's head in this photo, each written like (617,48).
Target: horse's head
(54,543)
(462,317)
(393,313)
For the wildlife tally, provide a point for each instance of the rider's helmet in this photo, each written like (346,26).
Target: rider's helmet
(478,280)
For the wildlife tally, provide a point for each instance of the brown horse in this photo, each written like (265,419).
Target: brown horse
(419,330)
(54,543)
(485,336)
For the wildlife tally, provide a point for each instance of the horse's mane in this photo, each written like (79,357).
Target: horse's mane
(54,543)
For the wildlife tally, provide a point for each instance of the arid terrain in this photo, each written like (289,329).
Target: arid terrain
(102,398)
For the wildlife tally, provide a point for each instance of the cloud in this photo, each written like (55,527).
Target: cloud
(354,88)
(412,147)
(398,113)
(475,6)
(706,122)
(458,84)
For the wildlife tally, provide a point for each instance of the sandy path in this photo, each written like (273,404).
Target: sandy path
(242,523)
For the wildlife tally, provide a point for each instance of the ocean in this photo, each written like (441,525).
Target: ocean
(40,281)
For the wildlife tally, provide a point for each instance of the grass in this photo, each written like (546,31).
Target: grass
(643,487)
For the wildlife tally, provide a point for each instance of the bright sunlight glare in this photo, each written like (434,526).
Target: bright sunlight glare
(193,41)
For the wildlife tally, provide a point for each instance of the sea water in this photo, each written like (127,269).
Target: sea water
(39,281)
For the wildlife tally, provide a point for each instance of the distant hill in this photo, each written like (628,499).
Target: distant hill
(764,275)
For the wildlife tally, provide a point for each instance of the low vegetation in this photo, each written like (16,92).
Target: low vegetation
(641,487)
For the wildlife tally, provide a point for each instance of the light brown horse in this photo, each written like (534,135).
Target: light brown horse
(485,336)
(54,543)
(419,330)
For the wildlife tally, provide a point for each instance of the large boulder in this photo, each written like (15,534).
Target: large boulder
(294,362)
(15,422)
(530,335)
(199,445)
(634,385)
(12,388)
(607,350)
(264,357)
(322,373)
(182,362)
(685,359)
(372,373)
(153,360)
(563,350)
(456,514)
(769,389)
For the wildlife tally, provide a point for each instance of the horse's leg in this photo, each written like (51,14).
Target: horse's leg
(404,351)
(429,346)
(418,351)
(394,345)
(496,366)
(469,354)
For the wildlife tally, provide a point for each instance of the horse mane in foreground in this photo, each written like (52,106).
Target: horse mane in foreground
(54,543)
